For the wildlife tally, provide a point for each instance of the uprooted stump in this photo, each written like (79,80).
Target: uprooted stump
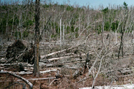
(15,49)
(29,55)
(19,51)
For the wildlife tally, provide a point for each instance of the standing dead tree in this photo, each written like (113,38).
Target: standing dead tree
(37,35)
(123,28)
(86,62)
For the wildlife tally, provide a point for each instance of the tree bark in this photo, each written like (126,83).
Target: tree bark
(37,33)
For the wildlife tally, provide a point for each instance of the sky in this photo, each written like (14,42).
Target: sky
(91,3)
(96,3)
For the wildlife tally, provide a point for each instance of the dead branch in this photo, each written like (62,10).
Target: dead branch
(19,77)
(53,81)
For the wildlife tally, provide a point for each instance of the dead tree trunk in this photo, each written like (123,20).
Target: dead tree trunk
(122,34)
(19,77)
(121,44)
(37,34)
(86,62)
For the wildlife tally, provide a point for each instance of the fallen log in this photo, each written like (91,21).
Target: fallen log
(33,79)
(41,72)
(19,77)
(11,64)
(65,57)
(50,54)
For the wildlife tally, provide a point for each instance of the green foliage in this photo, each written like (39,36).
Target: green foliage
(16,20)
(25,33)
(105,10)
(0,47)
(114,26)
(62,6)
(76,15)
(72,21)
(17,34)
(68,29)
(98,29)
(28,23)
(76,34)
(71,13)
(5,7)
(125,5)
(70,8)
(57,28)
(79,9)
(10,22)
(76,30)
(106,26)
(72,28)
(53,35)
(46,6)
(3,26)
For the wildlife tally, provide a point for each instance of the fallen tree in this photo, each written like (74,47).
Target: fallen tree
(50,54)
(65,57)
(19,77)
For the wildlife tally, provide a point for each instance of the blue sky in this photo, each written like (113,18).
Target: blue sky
(96,3)
(91,3)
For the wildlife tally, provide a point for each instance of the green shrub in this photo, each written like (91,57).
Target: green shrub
(25,33)
(70,8)
(28,23)
(114,26)
(76,30)
(105,10)
(98,29)
(72,28)
(57,29)
(53,36)
(3,26)
(107,26)
(76,34)
(68,29)
(17,34)
(16,20)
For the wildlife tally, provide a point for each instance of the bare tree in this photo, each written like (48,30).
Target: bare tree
(37,33)
(123,28)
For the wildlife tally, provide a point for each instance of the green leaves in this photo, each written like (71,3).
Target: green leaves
(125,5)
(25,33)
(28,23)
(114,26)
(70,8)
(105,10)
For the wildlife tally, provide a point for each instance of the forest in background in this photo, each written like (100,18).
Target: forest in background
(17,21)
